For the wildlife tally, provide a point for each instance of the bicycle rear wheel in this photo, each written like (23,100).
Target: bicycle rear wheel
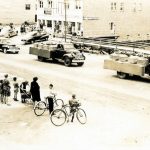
(40,108)
(58,117)
(59,103)
(81,116)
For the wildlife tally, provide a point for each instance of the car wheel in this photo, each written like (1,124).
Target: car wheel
(67,61)
(5,50)
(122,75)
(41,58)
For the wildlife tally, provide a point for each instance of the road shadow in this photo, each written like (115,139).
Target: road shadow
(57,63)
(135,78)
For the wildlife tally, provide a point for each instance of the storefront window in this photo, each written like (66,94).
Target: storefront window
(49,23)
(27,6)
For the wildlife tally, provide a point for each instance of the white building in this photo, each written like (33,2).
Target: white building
(53,14)
(127,18)
(17,11)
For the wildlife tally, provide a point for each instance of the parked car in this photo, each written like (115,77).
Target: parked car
(64,52)
(35,36)
(8,47)
(8,32)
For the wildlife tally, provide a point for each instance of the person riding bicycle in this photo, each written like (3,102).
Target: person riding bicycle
(73,104)
(50,98)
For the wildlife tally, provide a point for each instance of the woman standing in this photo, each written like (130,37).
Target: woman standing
(35,90)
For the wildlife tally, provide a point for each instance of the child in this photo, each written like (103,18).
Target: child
(6,91)
(16,88)
(73,104)
(50,98)
(23,91)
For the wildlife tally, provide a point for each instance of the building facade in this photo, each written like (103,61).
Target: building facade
(127,18)
(52,15)
(17,11)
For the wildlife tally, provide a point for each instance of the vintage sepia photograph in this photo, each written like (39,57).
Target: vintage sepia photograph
(74,75)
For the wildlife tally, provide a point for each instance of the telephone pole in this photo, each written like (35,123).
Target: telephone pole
(65,5)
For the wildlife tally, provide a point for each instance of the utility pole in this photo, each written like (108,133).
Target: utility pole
(65,5)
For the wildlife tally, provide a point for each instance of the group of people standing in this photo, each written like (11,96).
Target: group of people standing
(26,90)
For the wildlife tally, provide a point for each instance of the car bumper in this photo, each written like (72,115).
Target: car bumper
(77,61)
(13,50)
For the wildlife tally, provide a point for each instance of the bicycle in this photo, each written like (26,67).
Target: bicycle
(59,116)
(42,106)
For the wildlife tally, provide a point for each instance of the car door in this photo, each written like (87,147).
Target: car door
(60,51)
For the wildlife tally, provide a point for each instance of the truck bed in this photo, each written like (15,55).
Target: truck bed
(125,67)
(46,53)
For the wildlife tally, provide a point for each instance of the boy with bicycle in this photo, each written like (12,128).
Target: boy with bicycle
(73,104)
(50,98)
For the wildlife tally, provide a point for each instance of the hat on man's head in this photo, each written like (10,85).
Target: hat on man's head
(35,78)
(6,75)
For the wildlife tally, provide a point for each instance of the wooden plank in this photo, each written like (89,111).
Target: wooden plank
(33,50)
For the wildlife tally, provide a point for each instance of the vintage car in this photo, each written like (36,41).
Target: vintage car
(7,47)
(63,52)
(8,32)
(35,36)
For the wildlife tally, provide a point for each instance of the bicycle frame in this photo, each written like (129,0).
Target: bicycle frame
(68,113)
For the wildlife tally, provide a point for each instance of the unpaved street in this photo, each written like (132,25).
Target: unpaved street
(118,110)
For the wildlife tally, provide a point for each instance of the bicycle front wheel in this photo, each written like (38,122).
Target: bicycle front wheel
(59,102)
(58,117)
(81,116)
(40,108)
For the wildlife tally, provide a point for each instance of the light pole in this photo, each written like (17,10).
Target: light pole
(65,5)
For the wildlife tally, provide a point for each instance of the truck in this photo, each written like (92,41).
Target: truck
(63,52)
(129,64)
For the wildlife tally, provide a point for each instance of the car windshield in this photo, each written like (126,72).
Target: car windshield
(68,46)
(30,34)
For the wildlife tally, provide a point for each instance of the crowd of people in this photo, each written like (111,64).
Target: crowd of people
(26,90)
(31,91)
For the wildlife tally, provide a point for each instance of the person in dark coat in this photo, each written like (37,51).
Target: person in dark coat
(35,90)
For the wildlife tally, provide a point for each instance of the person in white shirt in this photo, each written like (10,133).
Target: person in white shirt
(50,98)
